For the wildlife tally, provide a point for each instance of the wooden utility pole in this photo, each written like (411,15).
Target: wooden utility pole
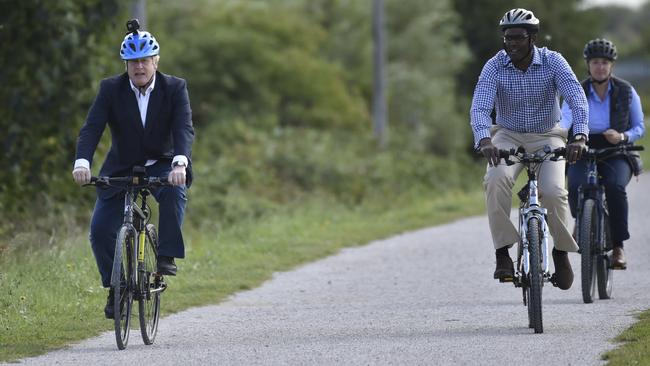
(379,109)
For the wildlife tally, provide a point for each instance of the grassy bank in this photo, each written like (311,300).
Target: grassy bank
(50,296)
(635,347)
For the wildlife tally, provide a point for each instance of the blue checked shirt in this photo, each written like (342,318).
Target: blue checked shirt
(527,101)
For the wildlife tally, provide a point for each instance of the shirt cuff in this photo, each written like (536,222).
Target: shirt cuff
(181,159)
(480,135)
(580,129)
(81,163)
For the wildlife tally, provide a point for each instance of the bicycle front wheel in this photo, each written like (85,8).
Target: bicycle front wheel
(604,270)
(588,226)
(122,283)
(150,287)
(535,275)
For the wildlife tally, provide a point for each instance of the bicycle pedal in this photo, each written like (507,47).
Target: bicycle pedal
(553,280)
(506,279)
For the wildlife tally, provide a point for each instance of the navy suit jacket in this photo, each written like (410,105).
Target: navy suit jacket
(168,129)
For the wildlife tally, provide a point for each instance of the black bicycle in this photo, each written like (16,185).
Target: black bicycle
(592,226)
(532,251)
(134,275)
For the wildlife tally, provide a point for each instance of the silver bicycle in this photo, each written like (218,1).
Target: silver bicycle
(532,268)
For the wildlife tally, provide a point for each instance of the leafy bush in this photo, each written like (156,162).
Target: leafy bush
(53,55)
(263,172)
(248,60)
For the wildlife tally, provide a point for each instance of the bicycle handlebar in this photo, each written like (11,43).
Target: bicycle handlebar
(536,157)
(134,181)
(606,151)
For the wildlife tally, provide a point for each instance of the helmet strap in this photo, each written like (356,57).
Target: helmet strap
(600,82)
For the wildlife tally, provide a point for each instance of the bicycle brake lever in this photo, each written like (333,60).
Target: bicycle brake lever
(509,162)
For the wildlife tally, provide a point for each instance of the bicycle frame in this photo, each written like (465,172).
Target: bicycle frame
(528,209)
(141,215)
(592,225)
(136,218)
(134,273)
(593,190)
(531,208)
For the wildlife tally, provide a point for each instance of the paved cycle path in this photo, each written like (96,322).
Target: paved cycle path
(421,298)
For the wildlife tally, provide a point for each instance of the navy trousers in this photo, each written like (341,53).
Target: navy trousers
(108,217)
(615,174)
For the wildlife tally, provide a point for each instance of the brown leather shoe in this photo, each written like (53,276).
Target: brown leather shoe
(618,258)
(563,272)
(505,271)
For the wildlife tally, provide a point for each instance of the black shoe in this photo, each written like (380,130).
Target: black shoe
(166,266)
(109,310)
(505,271)
(563,273)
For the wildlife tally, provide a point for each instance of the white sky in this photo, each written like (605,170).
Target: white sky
(630,3)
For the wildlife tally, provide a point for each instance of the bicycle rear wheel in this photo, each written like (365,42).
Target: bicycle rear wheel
(588,226)
(149,284)
(535,275)
(604,270)
(122,283)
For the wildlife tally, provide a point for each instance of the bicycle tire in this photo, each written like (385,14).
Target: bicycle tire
(535,275)
(122,282)
(604,270)
(588,226)
(148,280)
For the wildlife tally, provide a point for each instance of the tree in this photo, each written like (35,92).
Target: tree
(425,52)
(563,28)
(52,54)
(256,62)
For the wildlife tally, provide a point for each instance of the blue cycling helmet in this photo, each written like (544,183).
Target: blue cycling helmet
(139,44)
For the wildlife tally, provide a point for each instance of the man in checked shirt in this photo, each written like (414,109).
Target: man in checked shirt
(523,83)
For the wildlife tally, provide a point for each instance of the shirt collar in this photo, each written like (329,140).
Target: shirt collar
(146,92)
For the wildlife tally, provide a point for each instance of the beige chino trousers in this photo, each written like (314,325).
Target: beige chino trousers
(499,181)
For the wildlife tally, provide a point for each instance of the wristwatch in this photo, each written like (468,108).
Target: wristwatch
(580,137)
(179,163)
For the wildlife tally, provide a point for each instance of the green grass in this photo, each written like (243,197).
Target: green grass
(635,347)
(51,297)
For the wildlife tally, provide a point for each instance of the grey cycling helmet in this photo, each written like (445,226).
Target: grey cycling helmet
(600,48)
(520,18)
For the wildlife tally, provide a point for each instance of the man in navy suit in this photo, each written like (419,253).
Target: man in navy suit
(150,120)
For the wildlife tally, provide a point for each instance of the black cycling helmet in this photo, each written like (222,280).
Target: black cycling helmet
(600,48)
(520,18)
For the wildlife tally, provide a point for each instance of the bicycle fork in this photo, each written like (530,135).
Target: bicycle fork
(152,282)
(533,210)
